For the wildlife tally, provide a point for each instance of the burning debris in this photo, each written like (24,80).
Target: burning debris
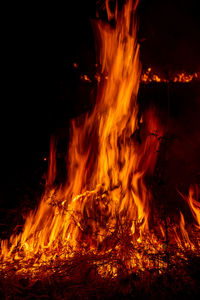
(100,224)
(148,76)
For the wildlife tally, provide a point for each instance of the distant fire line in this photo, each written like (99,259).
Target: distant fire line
(148,76)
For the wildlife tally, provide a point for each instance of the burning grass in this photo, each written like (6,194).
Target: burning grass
(98,234)
(146,269)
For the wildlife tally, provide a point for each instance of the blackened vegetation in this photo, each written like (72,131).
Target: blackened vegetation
(78,278)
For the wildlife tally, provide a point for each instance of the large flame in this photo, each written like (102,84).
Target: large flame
(107,164)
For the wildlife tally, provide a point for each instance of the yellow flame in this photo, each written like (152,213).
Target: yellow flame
(106,166)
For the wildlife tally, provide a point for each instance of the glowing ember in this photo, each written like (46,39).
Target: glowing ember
(104,209)
(85,78)
(183,77)
(149,76)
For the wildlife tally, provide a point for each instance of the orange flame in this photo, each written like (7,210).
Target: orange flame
(106,168)
(149,76)
(193,202)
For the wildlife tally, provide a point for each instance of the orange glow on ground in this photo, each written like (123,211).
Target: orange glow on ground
(104,208)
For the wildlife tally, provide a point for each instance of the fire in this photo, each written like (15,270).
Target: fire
(148,76)
(105,205)
(193,203)
(183,77)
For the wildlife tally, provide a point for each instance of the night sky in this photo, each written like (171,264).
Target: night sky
(41,91)
(171,32)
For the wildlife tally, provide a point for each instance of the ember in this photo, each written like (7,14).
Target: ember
(100,224)
(148,76)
